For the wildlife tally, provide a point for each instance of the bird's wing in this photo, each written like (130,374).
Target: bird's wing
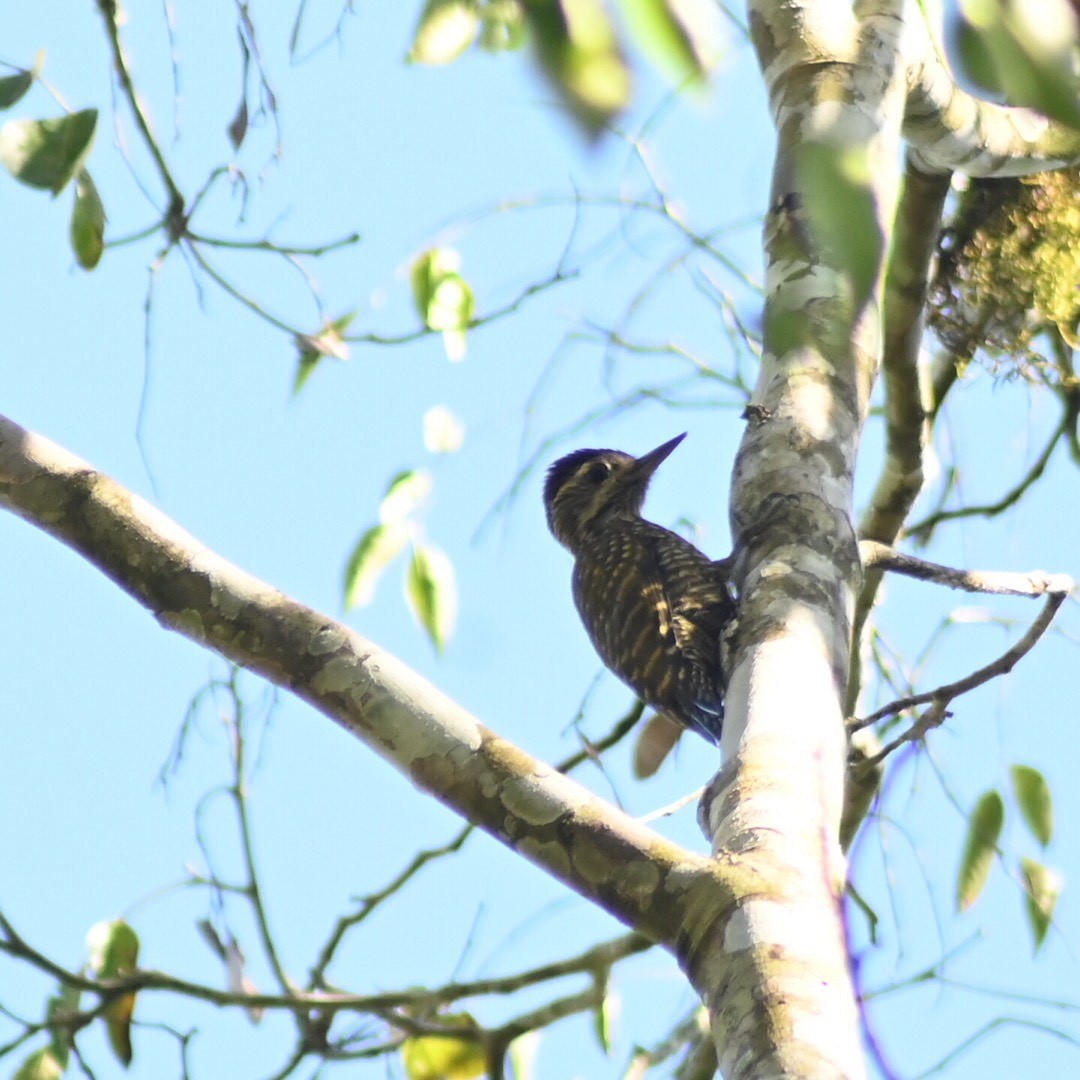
(698,599)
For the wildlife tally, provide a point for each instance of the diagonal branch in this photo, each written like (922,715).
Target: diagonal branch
(670,894)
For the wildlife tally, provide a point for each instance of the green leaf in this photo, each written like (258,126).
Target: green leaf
(502,26)
(445,30)
(443,298)
(404,494)
(13,87)
(1042,887)
(64,1002)
(113,949)
(306,363)
(47,153)
(87,223)
(453,1057)
(984,830)
(577,50)
(40,1065)
(1033,797)
(840,209)
(117,1017)
(602,1018)
(1024,52)
(427,269)
(431,591)
(375,550)
(672,37)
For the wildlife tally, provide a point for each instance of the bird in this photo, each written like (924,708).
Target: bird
(653,605)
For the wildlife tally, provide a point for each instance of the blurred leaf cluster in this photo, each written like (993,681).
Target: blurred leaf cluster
(577,44)
(1042,884)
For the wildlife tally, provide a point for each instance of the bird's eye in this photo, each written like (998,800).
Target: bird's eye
(598,472)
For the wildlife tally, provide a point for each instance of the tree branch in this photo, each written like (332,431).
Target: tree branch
(666,892)
(920,531)
(176,199)
(997,582)
(1055,587)
(949,129)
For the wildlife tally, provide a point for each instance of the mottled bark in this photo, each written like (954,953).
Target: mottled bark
(837,80)
(851,79)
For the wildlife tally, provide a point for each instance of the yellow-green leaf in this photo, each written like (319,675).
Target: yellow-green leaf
(445,30)
(502,25)
(673,34)
(980,848)
(40,1065)
(1023,51)
(443,298)
(427,269)
(602,1025)
(47,153)
(404,494)
(113,949)
(87,223)
(576,46)
(431,591)
(1033,797)
(1042,887)
(117,1018)
(451,1058)
(374,551)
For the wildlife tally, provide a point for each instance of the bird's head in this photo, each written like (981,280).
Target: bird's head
(587,486)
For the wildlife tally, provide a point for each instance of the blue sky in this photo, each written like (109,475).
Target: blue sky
(93,691)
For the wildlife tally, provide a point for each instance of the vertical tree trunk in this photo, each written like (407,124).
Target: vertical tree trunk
(786,1006)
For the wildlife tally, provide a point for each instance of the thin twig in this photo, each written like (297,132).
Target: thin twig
(939,698)
(1055,587)
(238,792)
(370,902)
(597,959)
(108,13)
(921,530)
(590,750)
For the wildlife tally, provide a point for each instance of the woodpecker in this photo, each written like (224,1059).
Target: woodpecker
(653,605)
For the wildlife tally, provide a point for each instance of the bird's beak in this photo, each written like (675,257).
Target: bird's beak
(648,463)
